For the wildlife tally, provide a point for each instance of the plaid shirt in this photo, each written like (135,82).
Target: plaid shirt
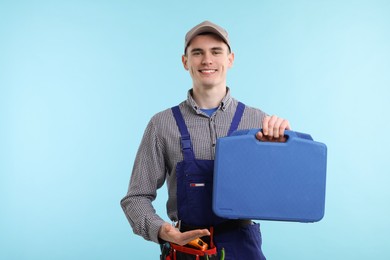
(160,151)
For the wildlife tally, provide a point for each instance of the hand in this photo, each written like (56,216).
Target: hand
(273,129)
(171,234)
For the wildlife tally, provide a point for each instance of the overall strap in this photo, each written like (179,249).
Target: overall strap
(185,139)
(237,118)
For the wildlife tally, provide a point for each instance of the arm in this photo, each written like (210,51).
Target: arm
(148,175)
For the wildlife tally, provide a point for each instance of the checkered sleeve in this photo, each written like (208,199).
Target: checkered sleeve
(148,175)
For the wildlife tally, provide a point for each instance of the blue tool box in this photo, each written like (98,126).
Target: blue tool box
(269,181)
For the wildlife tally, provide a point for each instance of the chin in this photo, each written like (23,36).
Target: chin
(208,85)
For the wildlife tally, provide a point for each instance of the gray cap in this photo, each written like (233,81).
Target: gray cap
(206,27)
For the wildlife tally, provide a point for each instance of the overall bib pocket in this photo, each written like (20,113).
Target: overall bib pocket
(194,193)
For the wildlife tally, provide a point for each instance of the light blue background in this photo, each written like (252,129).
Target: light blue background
(79,80)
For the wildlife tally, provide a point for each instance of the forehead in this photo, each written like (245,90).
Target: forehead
(206,41)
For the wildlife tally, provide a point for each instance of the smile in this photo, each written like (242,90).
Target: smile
(208,71)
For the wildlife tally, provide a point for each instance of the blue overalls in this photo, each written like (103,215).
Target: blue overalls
(194,198)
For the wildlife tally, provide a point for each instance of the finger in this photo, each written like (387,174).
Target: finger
(276,129)
(259,136)
(265,124)
(286,125)
(271,124)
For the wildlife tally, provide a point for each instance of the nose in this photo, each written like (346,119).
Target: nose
(207,58)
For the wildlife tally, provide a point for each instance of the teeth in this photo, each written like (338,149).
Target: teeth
(207,71)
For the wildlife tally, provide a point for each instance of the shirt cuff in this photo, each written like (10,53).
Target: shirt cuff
(154,228)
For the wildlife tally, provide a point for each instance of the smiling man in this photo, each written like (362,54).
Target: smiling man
(178,147)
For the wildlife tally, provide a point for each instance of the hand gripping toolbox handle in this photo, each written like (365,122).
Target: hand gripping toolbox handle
(288,133)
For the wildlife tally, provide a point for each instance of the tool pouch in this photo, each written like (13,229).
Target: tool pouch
(171,251)
(186,253)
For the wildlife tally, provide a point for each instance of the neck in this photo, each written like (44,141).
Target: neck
(208,98)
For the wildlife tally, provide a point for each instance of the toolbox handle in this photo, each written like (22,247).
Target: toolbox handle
(288,133)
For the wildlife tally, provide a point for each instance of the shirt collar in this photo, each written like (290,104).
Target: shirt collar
(225,103)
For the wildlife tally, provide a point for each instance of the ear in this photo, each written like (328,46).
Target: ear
(184,60)
(230,59)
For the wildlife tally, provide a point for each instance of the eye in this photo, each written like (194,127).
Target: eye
(196,53)
(217,52)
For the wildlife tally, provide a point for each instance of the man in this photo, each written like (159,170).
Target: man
(178,147)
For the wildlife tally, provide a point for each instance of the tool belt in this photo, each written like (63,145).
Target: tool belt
(195,250)
(198,249)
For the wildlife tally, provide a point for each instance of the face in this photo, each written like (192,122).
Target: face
(207,60)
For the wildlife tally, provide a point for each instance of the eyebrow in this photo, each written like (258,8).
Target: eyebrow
(196,50)
(217,49)
(213,49)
